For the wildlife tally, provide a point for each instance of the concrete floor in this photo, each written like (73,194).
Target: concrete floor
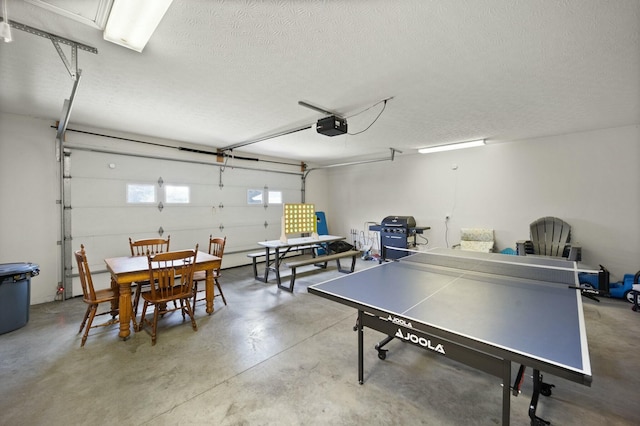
(272,357)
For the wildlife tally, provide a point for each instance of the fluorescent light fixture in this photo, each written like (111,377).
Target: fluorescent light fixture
(451,146)
(5,29)
(132,22)
(5,32)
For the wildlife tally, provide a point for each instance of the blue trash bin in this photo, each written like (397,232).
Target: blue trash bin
(15,294)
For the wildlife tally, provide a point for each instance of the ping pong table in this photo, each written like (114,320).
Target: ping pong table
(486,310)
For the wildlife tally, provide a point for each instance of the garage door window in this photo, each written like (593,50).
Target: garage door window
(256,197)
(176,194)
(141,193)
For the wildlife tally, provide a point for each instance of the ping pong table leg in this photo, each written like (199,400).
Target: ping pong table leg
(517,384)
(538,388)
(359,327)
(506,392)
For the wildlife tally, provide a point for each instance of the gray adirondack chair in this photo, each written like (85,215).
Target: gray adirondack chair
(550,236)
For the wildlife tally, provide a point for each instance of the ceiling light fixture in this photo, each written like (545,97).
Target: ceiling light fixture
(451,146)
(5,29)
(132,22)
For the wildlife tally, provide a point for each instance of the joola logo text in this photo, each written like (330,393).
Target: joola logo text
(426,343)
(399,321)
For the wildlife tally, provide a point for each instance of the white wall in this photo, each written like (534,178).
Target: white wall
(318,193)
(589,179)
(29,214)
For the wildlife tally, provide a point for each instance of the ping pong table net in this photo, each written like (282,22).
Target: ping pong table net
(551,270)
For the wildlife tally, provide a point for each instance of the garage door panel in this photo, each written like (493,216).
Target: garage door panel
(246,237)
(233,196)
(184,216)
(105,220)
(102,219)
(132,168)
(98,192)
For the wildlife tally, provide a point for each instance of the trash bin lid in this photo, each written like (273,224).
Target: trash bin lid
(9,269)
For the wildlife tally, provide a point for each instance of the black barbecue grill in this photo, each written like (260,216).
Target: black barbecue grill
(397,232)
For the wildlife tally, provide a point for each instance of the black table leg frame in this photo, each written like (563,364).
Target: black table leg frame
(490,364)
(273,265)
(360,329)
(539,387)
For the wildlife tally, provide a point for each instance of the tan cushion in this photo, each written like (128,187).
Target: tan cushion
(476,234)
(484,246)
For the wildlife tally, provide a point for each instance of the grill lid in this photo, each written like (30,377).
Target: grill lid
(399,221)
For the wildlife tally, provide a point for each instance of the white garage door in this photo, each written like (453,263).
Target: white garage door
(218,203)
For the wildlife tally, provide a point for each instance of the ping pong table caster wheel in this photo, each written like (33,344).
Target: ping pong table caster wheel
(545,389)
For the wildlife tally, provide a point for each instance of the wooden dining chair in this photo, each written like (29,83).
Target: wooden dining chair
(170,280)
(142,248)
(93,298)
(216,248)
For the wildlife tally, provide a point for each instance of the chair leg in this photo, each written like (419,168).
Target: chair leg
(191,315)
(144,312)
(136,299)
(84,320)
(154,327)
(94,309)
(195,294)
(220,290)
(182,307)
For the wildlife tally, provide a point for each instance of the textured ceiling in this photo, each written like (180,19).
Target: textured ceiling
(218,73)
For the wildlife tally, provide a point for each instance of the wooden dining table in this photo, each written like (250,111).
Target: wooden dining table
(129,269)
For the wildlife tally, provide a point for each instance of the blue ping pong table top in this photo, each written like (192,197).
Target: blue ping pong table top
(535,319)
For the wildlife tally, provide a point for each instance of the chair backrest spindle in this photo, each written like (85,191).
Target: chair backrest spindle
(149,246)
(216,245)
(171,273)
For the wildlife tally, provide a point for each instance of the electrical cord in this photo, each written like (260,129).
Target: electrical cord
(446,232)
(424,238)
(372,123)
